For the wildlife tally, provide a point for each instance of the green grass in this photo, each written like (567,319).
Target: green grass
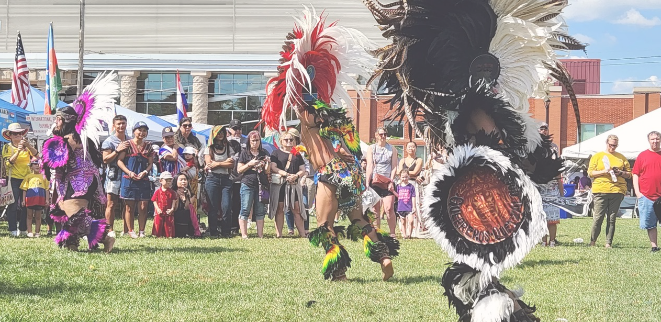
(275,279)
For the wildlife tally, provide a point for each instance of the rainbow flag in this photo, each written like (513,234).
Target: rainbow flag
(53,81)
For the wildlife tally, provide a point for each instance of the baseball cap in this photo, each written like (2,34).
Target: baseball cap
(235,123)
(165,175)
(167,131)
(188,150)
(140,124)
(544,124)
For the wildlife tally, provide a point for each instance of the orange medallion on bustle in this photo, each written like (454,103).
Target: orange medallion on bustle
(481,207)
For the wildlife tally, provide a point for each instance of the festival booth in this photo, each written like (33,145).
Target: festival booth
(632,140)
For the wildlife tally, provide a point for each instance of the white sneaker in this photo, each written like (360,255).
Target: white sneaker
(36,235)
(112,234)
(14,233)
(30,235)
(132,234)
(142,234)
(552,244)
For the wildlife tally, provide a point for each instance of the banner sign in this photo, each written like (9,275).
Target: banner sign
(41,124)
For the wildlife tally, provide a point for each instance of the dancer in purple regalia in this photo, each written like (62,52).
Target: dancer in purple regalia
(73,155)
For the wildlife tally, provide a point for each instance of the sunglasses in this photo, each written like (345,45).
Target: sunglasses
(543,128)
(382,134)
(612,145)
(187,125)
(288,140)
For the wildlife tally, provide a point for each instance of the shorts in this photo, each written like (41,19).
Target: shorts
(36,207)
(112,187)
(648,218)
(382,192)
(136,190)
(403,214)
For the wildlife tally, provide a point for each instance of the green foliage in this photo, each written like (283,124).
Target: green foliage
(278,280)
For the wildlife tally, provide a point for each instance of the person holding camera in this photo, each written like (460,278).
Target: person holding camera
(609,170)
(252,164)
(287,168)
(17,154)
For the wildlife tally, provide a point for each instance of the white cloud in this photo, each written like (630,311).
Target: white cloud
(610,39)
(584,39)
(633,17)
(587,10)
(625,86)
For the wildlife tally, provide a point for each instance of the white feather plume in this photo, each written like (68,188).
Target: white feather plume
(522,48)
(351,52)
(103,90)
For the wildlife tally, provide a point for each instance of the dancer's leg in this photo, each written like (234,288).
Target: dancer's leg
(357,218)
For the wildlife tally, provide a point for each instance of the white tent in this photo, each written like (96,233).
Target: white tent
(632,138)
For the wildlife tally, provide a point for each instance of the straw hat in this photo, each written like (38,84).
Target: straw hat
(14,128)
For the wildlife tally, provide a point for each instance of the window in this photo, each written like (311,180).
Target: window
(591,130)
(394,129)
(157,92)
(236,96)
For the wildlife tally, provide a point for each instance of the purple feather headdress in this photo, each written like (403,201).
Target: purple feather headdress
(55,152)
(83,107)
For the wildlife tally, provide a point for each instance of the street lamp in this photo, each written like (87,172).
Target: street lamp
(547,102)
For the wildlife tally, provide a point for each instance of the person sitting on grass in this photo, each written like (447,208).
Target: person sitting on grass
(35,196)
(165,202)
(406,206)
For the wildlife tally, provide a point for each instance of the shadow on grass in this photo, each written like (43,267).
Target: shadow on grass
(399,280)
(191,249)
(46,290)
(546,262)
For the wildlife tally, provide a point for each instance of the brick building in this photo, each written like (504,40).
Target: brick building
(599,113)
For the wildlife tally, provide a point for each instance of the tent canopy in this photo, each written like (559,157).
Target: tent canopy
(35,100)
(11,113)
(632,138)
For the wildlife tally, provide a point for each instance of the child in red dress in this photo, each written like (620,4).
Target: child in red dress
(165,202)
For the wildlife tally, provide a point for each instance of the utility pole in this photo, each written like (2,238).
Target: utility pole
(81,47)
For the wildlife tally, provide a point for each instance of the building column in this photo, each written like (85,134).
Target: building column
(200,107)
(128,88)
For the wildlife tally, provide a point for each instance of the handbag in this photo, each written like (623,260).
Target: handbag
(381,181)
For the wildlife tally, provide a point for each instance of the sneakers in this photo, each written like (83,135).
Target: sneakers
(30,235)
(15,233)
(552,244)
(36,235)
(132,234)
(142,234)
(654,249)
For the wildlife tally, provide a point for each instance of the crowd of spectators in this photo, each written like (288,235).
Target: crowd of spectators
(231,179)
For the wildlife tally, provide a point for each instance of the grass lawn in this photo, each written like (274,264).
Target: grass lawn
(279,280)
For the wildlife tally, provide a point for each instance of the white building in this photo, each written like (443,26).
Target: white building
(225,50)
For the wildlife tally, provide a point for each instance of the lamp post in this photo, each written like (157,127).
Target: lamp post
(547,102)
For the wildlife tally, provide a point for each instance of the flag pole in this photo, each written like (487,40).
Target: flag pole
(81,47)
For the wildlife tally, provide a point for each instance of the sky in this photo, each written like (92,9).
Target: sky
(625,35)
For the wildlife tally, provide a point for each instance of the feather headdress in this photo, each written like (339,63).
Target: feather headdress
(95,104)
(317,59)
(442,47)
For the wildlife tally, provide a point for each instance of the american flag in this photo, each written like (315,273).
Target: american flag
(20,85)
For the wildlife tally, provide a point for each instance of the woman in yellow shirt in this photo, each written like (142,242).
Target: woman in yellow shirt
(17,154)
(609,170)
